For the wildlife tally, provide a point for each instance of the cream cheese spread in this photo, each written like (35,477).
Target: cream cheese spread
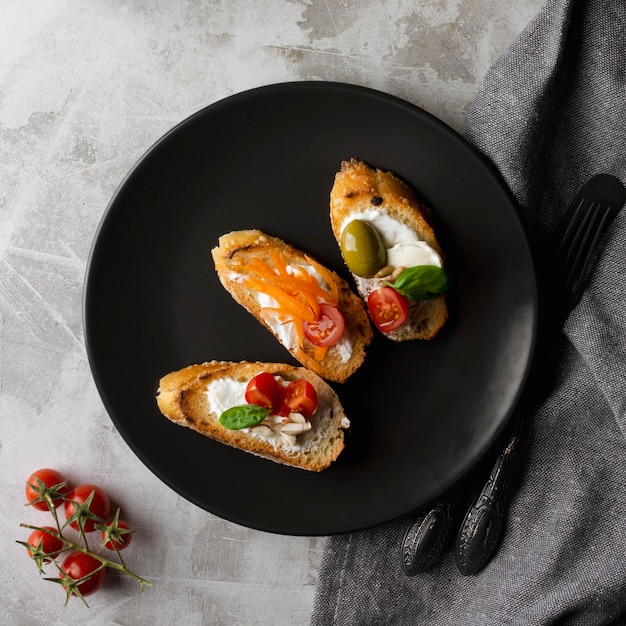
(399,240)
(224,393)
(402,245)
(285,330)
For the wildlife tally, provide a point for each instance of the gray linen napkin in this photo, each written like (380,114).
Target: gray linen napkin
(550,114)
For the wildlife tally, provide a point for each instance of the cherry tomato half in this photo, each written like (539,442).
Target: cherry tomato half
(100,505)
(300,397)
(125,537)
(77,565)
(388,308)
(263,390)
(45,543)
(50,478)
(328,329)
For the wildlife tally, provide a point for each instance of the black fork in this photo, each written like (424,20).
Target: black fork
(579,230)
(571,246)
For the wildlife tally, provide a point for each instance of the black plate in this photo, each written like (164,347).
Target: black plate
(423,413)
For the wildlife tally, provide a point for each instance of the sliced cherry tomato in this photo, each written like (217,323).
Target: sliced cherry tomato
(77,565)
(299,396)
(388,308)
(50,478)
(45,543)
(283,410)
(263,390)
(328,329)
(100,505)
(123,537)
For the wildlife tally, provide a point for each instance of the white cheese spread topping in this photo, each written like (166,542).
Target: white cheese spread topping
(285,330)
(224,393)
(411,254)
(399,240)
(402,245)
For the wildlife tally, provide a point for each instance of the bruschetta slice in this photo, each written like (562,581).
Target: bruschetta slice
(280,412)
(389,245)
(309,308)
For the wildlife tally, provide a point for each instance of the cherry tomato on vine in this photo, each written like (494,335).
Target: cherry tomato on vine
(125,537)
(300,397)
(50,478)
(328,329)
(78,565)
(45,543)
(388,308)
(263,390)
(100,505)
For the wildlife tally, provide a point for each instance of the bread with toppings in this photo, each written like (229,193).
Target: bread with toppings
(197,395)
(404,224)
(282,287)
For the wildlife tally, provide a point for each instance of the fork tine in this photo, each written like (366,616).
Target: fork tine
(571,240)
(585,254)
(577,233)
(577,245)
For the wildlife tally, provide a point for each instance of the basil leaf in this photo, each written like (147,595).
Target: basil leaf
(244,416)
(422,282)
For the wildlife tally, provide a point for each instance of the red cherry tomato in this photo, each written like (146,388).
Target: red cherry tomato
(300,397)
(100,505)
(328,329)
(125,537)
(45,542)
(77,565)
(48,477)
(388,308)
(282,410)
(263,390)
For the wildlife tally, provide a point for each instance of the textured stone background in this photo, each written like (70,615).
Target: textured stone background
(85,88)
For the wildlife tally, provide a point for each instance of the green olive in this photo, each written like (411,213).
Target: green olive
(362,248)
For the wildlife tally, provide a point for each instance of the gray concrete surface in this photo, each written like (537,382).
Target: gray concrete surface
(85,88)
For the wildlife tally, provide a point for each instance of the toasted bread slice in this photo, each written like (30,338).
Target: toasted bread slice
(196,396)
(360,190)
(234,258)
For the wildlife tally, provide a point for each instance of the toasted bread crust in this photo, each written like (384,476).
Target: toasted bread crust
(358,188)
(182,398)
(236,249)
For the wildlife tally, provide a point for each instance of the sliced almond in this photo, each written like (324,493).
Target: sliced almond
(262,430)
(384,271)
(274,420)
(290,439)
(396,273)
(298,418)
(293,428)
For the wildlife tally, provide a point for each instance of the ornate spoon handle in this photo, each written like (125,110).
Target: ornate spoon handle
(484,522)
(426,538)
